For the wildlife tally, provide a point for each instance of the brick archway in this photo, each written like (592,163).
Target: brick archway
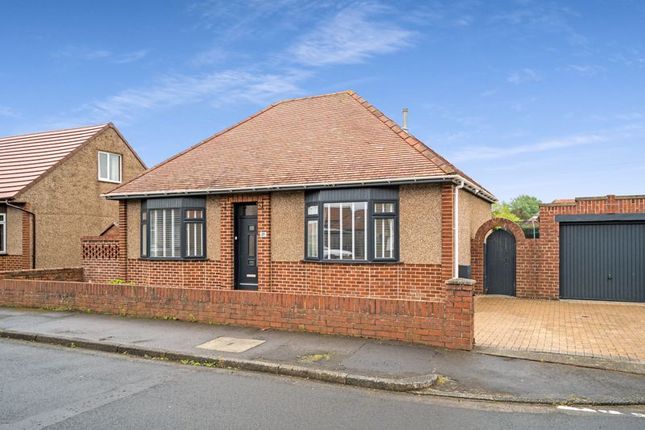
(477,253)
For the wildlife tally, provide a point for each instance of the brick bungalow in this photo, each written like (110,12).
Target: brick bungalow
(50,193)
(321,195)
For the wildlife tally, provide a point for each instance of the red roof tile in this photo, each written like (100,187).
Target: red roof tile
(330,139)
(25,158)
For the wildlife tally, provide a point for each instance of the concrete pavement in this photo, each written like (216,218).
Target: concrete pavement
(462,374)
(61,388)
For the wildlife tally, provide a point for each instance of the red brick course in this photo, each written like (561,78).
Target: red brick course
(58,274)
(445,324)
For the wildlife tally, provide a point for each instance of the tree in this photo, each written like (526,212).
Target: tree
(525,206)
(503,210)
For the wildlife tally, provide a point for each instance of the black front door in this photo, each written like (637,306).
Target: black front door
(246,247)
(500,263)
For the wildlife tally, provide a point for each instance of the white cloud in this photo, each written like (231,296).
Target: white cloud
(491,153)
(351,36)
(523,76)
(585,69)
(209,57)
(221,87)
(6,111)
(88,54)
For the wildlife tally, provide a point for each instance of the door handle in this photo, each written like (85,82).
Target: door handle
(610,277)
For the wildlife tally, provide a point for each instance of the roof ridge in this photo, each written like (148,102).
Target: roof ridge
(317,96)
(62,130)
(405,136)
(441,162)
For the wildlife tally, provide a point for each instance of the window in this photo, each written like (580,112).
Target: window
(3,233)
(346,230)
(384,235)
(165,233)
(144,233)
(109,167)
(194,221)
(170,230)
(312,231)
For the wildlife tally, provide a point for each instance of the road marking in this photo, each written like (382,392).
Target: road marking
(599,411)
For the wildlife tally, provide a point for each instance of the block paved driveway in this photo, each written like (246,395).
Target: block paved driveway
(586,328)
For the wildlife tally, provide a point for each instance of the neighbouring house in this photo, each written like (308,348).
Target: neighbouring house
(321,195)
(50,193)
(588,248)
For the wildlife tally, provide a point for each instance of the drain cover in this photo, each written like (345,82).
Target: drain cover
(230,344)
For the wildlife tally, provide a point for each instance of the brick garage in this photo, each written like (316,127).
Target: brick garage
(538,260)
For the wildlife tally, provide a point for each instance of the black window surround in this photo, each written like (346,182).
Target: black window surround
(372,197)
(183,205)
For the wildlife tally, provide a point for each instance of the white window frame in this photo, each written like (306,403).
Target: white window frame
(3,227)
(107,179)
(353,206)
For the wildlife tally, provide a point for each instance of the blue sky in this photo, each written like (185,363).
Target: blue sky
(545,98)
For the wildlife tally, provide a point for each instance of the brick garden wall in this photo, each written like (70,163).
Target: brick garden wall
(447,323)
(101,258)
(538,260)
(60,274)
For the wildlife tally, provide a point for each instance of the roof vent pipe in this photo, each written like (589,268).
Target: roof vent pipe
(405,120)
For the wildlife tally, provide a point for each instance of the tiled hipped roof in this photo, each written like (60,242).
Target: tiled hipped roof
(330,139)
(25,158)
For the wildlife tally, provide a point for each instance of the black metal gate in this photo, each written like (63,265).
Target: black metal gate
(602,261)
(499,276)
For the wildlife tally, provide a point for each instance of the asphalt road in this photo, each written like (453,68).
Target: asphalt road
(53,387)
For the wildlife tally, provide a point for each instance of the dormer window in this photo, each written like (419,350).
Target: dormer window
(109,167)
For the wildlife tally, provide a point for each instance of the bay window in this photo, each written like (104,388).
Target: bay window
(173,228)
(352,225)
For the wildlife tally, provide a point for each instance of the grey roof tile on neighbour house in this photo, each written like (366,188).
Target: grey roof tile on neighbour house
(335,139)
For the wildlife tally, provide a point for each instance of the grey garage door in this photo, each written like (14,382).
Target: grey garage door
(603,261)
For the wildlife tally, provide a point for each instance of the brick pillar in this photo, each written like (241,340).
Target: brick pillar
(264,243)
(123,239)
(447,222)
(459,314)
(27,262)
(226,243)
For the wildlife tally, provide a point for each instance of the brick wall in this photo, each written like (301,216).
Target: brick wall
(389,281)
(58,274)
(11,262)
(101,258)
(447,323)
(538,260)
